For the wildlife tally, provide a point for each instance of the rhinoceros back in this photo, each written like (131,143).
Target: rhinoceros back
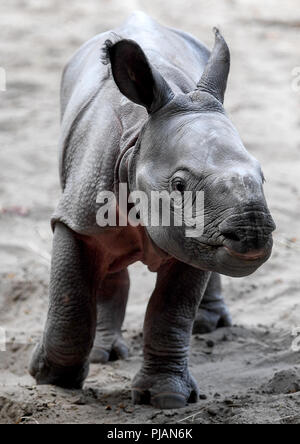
(98,122)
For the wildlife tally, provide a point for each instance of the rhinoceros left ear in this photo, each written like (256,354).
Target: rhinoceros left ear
(215,75)
(136,78)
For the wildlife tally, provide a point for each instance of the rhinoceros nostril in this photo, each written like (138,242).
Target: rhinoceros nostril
(229,232)
(233,236)
(247,230)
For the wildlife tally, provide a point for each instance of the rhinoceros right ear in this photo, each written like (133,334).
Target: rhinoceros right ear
(136,78)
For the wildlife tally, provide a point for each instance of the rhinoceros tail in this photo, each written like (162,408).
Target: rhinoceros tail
(105,50)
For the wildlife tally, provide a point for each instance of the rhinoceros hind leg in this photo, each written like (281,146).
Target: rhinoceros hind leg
(213,312)
(109,344)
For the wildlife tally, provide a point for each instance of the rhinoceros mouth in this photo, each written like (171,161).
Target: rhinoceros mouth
(250,256)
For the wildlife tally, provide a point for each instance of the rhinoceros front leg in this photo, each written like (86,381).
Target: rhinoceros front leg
(213,312)
(62,356)
(165,380)
(111,306)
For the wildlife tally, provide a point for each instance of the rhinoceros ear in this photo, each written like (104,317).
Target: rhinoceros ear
(136,78)
(214,77)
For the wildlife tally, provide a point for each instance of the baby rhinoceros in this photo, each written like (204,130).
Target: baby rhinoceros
(143,105)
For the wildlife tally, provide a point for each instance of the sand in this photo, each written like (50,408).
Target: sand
(248,373)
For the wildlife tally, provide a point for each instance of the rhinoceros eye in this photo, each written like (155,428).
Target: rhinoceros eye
(178,185)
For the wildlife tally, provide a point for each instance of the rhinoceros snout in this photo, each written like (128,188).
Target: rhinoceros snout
(248,235)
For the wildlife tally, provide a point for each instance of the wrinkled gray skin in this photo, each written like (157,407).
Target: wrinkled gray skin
(154,118)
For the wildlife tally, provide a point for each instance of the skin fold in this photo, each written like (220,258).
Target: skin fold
(143,105)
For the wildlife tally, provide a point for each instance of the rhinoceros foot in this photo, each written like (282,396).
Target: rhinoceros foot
(108,347)
(45,372)
(165,391)
(211,316)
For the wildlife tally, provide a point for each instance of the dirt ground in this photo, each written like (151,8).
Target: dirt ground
(248,373)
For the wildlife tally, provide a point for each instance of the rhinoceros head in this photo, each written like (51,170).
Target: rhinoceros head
(189,144)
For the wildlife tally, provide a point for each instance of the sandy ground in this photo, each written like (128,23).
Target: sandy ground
(249,373)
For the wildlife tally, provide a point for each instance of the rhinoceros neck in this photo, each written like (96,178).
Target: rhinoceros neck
(124,246)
